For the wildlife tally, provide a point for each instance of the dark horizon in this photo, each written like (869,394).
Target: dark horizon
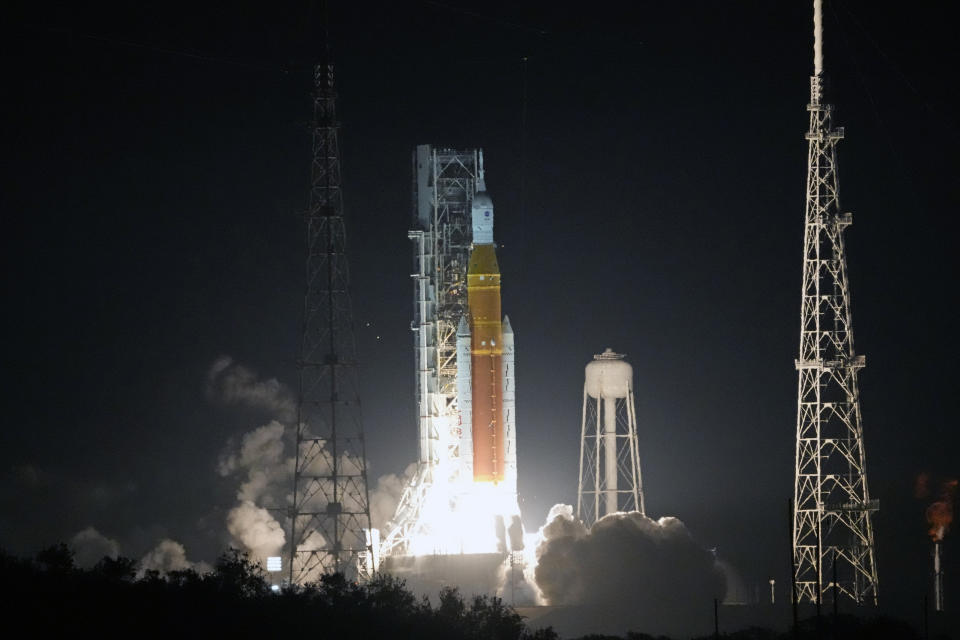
(158,164)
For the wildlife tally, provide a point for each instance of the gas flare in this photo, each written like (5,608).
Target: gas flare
(940,513)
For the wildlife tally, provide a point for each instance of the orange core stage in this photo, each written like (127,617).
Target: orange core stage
(486,360)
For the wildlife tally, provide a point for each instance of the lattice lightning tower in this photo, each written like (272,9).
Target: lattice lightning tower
(832,505)
(330,516)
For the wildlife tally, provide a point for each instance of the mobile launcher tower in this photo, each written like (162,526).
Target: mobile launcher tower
(463,497)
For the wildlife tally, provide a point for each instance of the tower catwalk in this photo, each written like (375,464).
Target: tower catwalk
(832,505)
(330,516)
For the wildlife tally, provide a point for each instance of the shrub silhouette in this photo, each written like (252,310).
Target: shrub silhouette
(235,599)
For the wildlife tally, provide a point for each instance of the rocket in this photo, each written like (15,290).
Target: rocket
(485,362)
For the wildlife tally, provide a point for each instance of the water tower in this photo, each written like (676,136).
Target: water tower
(610,478)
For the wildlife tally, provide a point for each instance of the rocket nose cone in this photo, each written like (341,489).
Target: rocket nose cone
(505,327)
(482,200)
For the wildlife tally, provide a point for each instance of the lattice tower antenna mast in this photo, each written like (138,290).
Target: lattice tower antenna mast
(610,479)
(330,528)
(832,504)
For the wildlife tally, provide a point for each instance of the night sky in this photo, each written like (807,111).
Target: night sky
(156,163)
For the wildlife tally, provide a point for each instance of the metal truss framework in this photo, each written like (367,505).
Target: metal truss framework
(444,185)
(330,515)
(832,504)
(595,482)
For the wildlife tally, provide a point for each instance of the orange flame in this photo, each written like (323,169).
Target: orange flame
(940,513)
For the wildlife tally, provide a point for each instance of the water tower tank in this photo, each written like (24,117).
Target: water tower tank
(608,376)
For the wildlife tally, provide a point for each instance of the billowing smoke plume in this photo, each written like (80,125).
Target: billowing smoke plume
(265,477)
(262,462)
(169,555)
(232,383)
(90,547)
(255,529)
(516,580)
(634,567)
(940,512)
(386,496)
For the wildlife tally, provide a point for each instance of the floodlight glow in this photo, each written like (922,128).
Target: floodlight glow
(274,563)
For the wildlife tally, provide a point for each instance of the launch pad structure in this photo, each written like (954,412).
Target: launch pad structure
(443,188)
(463,366)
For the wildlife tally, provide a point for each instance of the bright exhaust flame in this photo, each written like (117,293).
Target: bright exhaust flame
(470,517)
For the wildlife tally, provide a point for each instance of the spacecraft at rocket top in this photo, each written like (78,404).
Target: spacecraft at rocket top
(485,372)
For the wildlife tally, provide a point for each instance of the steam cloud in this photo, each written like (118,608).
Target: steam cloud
(233,383)
(263,464)
(265,476)
(90,547)
(636,568)
(169,555)
(386,496)
(255,529)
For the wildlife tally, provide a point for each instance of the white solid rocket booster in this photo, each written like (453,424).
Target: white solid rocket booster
(509,408)
(465,398)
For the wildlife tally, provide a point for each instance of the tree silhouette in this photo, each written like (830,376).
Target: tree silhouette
(235,599)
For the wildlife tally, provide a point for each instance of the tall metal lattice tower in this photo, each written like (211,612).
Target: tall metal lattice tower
(330,528)
(610,479)
(832,505)
(444,183)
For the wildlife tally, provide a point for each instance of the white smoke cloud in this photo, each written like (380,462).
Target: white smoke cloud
(169,555)
(386,496)
(263,462)
(517,584)
(255,529)
(90,547)
(265,478)
(233,383)
(266,474)
(635,568)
